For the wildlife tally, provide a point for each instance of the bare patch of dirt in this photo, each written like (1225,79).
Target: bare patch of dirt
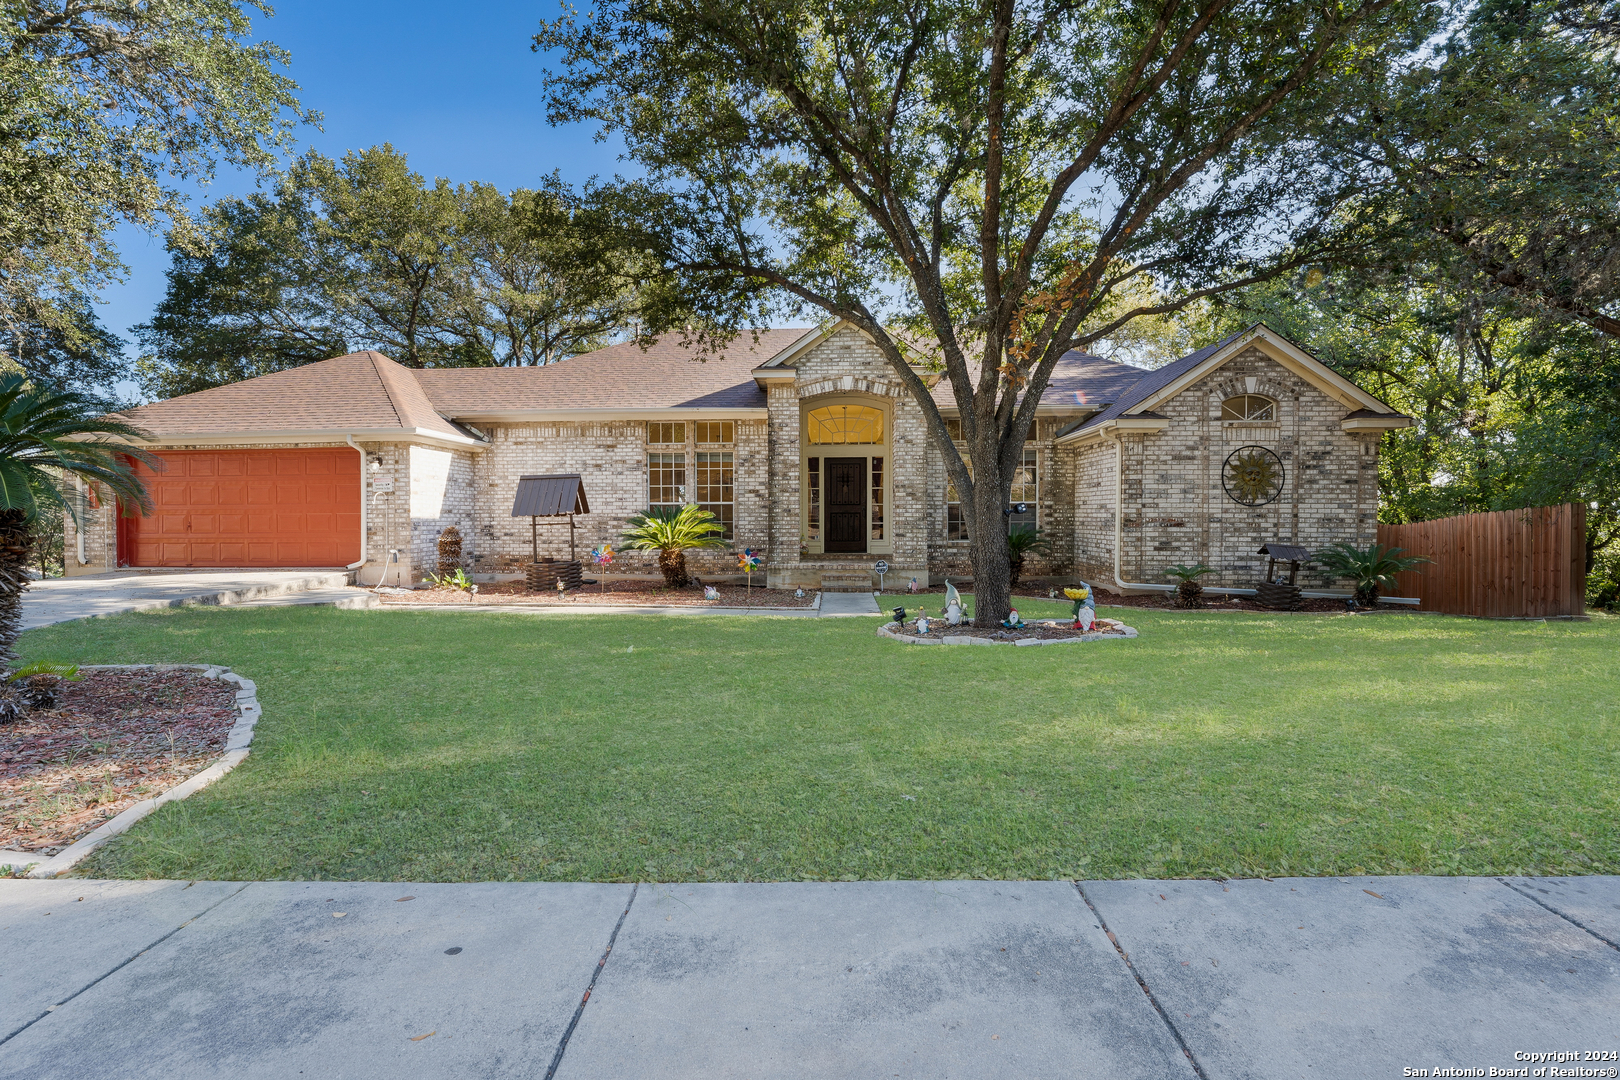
(115,739)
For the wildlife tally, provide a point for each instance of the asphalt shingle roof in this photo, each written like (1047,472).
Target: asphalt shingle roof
(1153,381)
(665,375)
(366,391)
(363,391)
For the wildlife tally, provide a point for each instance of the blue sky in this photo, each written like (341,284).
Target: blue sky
(454,86)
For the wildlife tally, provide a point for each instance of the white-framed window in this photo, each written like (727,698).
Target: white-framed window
(876,509)
(716,432)
(956,519)
(666,481)
(1249,407)
(813,507)
(1026,489)
(715,479)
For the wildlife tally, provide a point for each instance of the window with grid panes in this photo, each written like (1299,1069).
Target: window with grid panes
(716,432)
(956,527)
(666,433)
(1025,489)
(877,498)
(813,515)
(666,481)
(714,486)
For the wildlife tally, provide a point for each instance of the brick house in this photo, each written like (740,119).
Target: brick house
(801,441)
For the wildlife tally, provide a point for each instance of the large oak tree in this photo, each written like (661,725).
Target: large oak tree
(975,184)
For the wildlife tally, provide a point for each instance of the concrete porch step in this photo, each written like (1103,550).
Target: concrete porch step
(846,581)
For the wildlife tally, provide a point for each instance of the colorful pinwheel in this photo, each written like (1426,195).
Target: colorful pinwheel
(603,558)
(748,562)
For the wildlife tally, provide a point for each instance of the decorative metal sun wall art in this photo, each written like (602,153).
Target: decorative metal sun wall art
(1252,475)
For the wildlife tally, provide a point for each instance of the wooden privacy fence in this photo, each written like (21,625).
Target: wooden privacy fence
(1510,564)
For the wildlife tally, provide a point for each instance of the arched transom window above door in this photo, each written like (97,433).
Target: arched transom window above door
(844,425)
(1249,407)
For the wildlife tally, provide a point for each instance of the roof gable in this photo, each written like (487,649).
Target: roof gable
(1166,382)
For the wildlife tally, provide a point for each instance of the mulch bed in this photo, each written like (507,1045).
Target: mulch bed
(115,739)
(1044,631)
(650,593)
(1167,601)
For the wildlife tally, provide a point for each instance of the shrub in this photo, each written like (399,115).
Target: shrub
(1371,568)
(672,534)
(1189,594)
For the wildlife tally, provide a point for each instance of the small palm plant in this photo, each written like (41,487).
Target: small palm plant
(672,533)
(1371,568)
(1189,594)
(1020,544)
(46,437)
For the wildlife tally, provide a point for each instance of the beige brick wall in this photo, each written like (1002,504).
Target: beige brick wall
(611,458)
(1176,509)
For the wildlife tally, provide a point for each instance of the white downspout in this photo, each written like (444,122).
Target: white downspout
(78,532)
(1119,524)
(365,544)
(78,527)
(1119,536)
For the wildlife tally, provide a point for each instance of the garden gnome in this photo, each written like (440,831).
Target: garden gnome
(913,586)
(953,605)
(1085,608)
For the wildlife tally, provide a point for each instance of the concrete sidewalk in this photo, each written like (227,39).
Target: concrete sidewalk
(57,600)
(1315,977)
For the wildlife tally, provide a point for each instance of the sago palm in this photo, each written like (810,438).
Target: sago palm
(1189,594)
(46,437)
(1021,543)
(1371,568)
(672,534)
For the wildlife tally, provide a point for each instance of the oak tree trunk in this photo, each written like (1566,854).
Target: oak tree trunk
(992,575)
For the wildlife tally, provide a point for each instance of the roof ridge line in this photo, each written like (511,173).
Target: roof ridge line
(384,377)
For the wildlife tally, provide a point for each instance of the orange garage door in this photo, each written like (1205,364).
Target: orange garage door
(248,508)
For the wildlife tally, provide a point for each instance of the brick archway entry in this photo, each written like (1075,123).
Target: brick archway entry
(292,508)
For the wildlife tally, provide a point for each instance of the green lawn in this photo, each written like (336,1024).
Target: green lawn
(446,746)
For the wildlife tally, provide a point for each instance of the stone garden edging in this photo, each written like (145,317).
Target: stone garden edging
(237,745)
(965,639)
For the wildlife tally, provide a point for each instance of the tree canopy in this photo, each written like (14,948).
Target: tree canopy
(362,252)
(992,179)
(104,106)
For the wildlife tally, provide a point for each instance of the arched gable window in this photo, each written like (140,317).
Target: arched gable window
(1248,407)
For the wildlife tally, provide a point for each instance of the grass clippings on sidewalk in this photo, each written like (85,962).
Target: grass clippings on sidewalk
(443,746)
(115,739)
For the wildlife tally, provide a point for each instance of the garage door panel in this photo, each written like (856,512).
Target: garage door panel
(250,508)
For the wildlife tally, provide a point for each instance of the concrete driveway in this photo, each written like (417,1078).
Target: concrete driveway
(1313,977)
(57,600)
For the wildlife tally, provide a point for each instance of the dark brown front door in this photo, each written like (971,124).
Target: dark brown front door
(846,504)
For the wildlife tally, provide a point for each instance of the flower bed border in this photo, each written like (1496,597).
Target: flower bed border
(237,746)
(887,631)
